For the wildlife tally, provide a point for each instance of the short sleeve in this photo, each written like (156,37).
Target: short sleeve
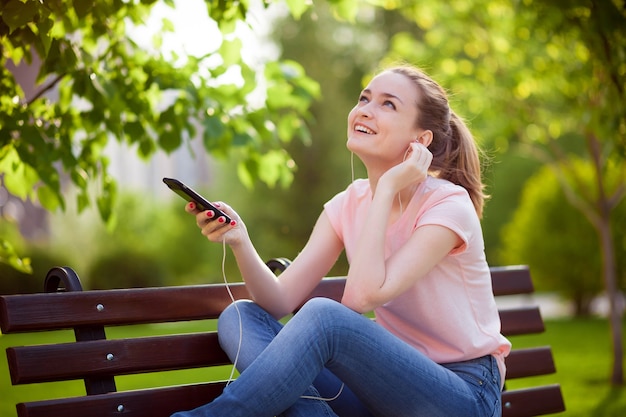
(451,207)
(334,209)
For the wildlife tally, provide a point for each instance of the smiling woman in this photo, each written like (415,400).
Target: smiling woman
(411,233)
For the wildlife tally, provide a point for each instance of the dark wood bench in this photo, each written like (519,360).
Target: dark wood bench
(98,360)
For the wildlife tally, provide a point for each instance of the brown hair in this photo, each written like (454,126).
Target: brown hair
(455,154)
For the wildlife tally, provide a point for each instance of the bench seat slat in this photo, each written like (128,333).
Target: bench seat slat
(66,361)
(529,402)
(530,362)
(162,402)
(157,402)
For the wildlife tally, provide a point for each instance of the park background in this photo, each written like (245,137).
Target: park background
(540,83)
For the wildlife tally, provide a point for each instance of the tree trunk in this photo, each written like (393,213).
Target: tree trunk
(604,207)
(615,305)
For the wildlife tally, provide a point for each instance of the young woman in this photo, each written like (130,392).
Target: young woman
(412,236)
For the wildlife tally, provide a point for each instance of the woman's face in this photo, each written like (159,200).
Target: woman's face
(383,123)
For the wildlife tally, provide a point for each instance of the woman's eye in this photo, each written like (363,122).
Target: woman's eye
(363,99)
(389,104)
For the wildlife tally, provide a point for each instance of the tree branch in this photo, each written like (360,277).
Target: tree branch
(47,88)
(574,199)
(606,48)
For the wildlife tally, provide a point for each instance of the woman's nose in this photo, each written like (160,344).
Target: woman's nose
(364,111)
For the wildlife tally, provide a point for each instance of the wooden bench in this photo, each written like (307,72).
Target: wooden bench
(98,361)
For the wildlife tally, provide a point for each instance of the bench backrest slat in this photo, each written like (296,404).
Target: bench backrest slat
(32,312)
(511,280)
(521,320)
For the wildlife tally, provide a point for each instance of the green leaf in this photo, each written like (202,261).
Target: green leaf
(279,96)
(241,139)
(20,178)
(134,130)
(170,134)
(106,198)
(272,167)
(79,177)
(298,7)
(287,126)
(82,201)
(44,34)
(345,9)
(213,129)
(146,147)
(227,26)
(167,25)
(170,140)
(82,7)
(49,199)
(17,14)
(231,52)
(246,173)
(10,257)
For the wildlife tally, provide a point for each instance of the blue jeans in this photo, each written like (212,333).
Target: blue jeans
(326,345)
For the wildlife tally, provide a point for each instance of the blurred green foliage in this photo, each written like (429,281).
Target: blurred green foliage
(153,243)
(538,82)
(561,248)
(108,87)
(42,258)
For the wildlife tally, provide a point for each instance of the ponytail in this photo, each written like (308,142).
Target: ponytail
(460,163)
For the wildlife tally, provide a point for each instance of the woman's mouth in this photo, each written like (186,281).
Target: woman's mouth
(363,129)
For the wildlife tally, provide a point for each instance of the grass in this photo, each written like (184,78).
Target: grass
(581,348)
(583,356)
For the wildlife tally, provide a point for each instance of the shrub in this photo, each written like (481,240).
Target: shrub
(125,268)
(42,260)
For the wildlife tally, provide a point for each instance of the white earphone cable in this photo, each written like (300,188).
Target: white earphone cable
(230,293)
(234,368)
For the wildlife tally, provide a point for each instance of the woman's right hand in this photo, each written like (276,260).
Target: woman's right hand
(413,170)
(216,230)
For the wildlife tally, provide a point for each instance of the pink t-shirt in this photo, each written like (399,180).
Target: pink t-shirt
(450,314)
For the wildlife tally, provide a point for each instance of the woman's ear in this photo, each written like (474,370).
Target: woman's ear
(425,138)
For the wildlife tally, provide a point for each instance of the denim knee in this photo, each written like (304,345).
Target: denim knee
(320,304)
(229,325)
(231,316)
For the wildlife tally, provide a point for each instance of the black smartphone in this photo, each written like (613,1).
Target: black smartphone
(190,195)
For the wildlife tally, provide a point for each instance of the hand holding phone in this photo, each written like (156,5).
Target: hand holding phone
(190,195)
